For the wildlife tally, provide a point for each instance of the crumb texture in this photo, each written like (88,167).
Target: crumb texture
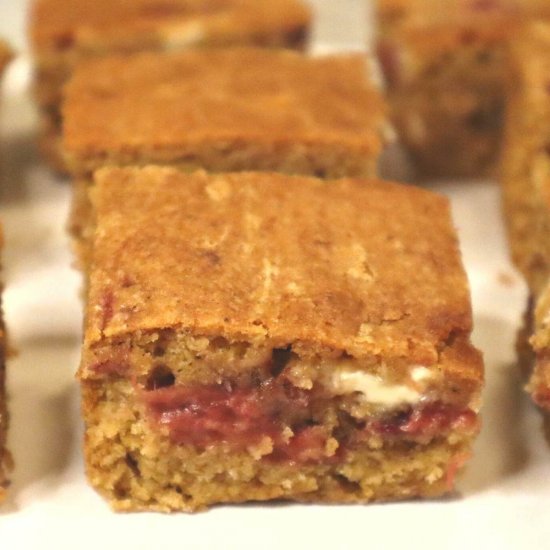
(136,468)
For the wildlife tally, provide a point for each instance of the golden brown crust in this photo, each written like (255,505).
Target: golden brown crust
(105,25)
(202,109)
(380,258)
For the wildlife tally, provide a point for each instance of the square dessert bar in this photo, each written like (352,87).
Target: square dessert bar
(225,110)
(63,32)
(5,457)
(257,336)
(445,68)
(525,175)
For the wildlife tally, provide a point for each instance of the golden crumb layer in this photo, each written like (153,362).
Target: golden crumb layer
(136,467)
(380,258)
(105,25)
(201,109)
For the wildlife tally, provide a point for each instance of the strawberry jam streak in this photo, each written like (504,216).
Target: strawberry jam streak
(205,415)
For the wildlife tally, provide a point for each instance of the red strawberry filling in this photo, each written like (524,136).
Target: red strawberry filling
(203,415)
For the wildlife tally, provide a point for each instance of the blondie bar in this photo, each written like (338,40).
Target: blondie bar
(5,457)
(526,187)
(63,32)
(257,336)
(225,110)
(445,67)
(285,112)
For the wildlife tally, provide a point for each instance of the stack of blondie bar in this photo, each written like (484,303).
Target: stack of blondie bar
(65,32)
(264,318)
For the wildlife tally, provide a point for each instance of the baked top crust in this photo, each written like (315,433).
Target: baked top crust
(160,105)
(368,268)
(60,25)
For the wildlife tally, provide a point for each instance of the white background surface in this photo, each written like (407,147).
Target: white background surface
(503,496)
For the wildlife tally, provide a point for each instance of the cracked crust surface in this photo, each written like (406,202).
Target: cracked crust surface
(373,268)
(285,112)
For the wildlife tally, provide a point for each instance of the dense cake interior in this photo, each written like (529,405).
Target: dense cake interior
(279,404)
(185,421)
